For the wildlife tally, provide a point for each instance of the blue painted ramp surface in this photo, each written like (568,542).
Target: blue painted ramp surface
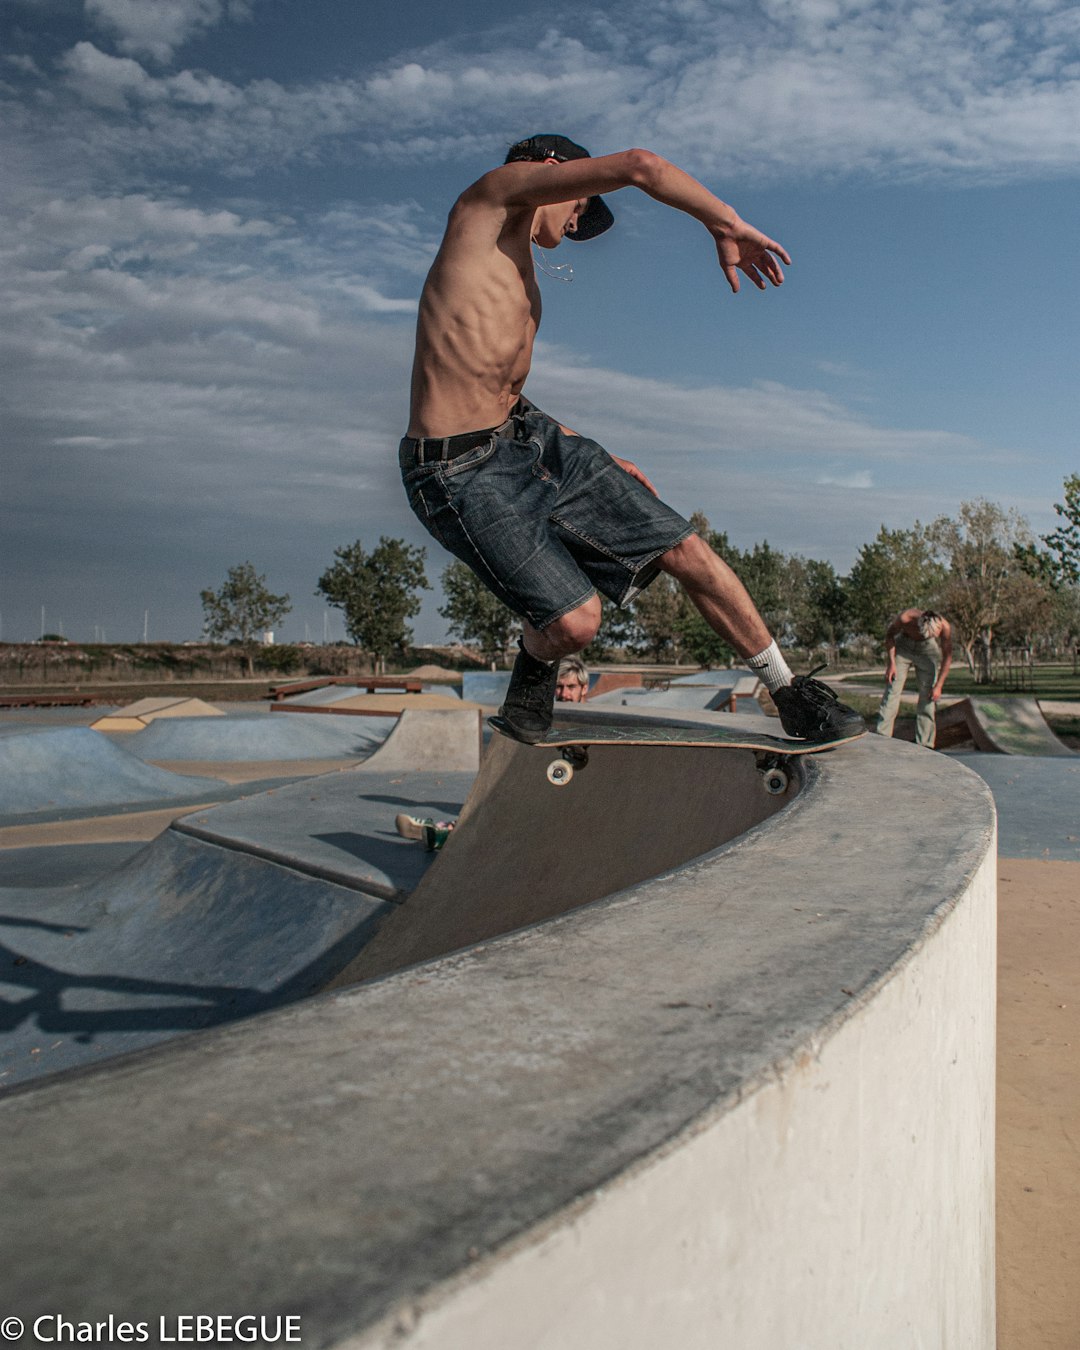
(684,698)
(185,936)
(1037,800)
(485,686)
(324,695)
(339,826)
(723,679)
(229,912)
(691,698)
(257,737)
(629,697)
(74,768)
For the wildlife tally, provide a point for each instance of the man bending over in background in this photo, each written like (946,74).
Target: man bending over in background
(921,638)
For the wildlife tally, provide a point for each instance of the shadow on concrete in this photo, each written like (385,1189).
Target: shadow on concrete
(47,986)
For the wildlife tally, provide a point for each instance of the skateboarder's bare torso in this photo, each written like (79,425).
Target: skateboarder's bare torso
(479,313)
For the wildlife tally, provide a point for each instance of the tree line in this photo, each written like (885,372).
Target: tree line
(983,568)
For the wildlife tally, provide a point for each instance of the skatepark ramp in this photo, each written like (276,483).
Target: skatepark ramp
(631,814)
(254,903)
(74,768)
(232,910)
(258,736)
(996,726)
(1004,726)
(745,1102)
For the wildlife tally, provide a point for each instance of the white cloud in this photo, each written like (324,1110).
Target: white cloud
(859,480)
(893,90)
(156,28)
(116,81)
(26,64)
(136,215)
(107,81)
(770,419)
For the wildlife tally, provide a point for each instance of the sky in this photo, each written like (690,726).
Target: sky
(217,216)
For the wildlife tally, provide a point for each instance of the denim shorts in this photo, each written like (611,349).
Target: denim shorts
(544,519)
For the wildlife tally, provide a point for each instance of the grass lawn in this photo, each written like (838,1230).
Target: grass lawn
(1051,682)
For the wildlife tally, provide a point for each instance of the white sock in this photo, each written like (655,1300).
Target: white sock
(771,668)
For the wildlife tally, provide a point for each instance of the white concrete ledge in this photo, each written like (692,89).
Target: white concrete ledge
(749,1103)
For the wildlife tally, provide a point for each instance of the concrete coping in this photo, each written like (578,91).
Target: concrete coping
(362,1158)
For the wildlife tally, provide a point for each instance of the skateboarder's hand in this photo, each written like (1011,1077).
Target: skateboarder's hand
(635,472)
(741,248)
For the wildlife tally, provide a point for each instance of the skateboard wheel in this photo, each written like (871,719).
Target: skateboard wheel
(776,781)
(559,772)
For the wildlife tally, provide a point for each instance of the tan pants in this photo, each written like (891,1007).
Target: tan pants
(925,655)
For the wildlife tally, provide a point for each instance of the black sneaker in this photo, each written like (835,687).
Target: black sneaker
(811,711)
(527,710)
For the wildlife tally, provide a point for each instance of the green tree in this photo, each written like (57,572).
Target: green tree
(818,604)
(897,570)
(1064,626)
(764,572)
(657,615)
(618,632)
(242,610)
(475,615)
(376,593)
(985,577)
(1028,610)
(673,627)
(1059,563)
(1065,541)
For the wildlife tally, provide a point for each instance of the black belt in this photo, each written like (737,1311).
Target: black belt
(430,448)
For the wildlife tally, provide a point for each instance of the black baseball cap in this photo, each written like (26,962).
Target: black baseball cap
(597,217)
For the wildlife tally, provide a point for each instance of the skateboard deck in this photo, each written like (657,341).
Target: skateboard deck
(573,743)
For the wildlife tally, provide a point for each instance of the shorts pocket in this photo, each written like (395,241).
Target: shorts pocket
(472,459)
(426,496)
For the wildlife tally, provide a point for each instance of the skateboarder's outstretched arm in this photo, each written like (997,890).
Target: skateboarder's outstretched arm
(739,246)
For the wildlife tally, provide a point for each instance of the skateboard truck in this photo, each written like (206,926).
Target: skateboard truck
(571,757)
(775,775)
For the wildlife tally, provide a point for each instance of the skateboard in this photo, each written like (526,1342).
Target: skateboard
(772,752)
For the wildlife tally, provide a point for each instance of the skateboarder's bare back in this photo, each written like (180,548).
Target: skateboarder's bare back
(547,518)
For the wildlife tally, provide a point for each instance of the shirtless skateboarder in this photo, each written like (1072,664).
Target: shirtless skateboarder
(545,517)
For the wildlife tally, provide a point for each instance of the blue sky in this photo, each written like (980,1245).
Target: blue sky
(217,217)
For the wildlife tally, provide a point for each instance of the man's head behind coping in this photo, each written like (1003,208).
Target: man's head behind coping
(930,623)
(573,682)
(597,217)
